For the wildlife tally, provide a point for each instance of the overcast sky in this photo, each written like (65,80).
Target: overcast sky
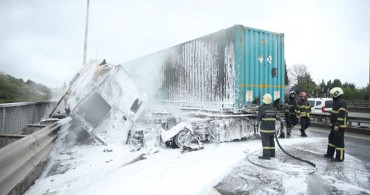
(42,40)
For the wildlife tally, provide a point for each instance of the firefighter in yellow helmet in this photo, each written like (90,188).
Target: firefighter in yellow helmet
(338,123)
(267,116)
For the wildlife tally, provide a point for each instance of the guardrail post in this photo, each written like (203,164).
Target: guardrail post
(3,119)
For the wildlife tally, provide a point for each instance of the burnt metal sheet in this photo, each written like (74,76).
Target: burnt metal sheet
(94,109)
(227,70)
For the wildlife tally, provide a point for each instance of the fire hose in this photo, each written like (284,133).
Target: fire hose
(282,149)
(297,158)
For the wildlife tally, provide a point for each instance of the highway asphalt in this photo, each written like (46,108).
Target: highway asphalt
(289,176)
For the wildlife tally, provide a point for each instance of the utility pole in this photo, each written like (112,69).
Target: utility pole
(86,30)
(97,45)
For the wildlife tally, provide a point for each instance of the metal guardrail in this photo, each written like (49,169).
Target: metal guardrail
(359,109)
(356,124)
(359,105)
(20,159)
(15,116)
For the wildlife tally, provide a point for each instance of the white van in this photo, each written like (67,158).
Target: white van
(321,105)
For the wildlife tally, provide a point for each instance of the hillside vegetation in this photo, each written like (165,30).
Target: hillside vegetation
(16,90)
(301,76)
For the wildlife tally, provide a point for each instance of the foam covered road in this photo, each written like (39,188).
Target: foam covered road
(284,175)
(224,167)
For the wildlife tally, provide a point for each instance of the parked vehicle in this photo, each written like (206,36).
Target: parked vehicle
(320,105)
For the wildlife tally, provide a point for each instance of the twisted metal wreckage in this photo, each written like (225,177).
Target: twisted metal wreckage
(206,89)
(107,107)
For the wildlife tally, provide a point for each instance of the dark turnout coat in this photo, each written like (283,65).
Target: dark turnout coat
(338,118)
(303,108)
(339,113)
(292,105)
(267,116)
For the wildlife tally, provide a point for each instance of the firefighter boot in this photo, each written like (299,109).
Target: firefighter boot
(339,156)
(330,152)
(288,131)
(303,134)
(264,157)
(272,152)
(328,157)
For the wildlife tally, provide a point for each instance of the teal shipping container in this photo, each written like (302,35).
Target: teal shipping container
(228,70)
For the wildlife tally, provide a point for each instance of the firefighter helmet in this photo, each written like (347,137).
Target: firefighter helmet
(303,94)
(267,99)
(336,91)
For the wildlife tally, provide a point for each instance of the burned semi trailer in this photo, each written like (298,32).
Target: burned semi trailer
(226,72)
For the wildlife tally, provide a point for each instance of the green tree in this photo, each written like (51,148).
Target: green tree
(303,78)
(286,79)
(322,90)
(349,85)
(336,83)
(351,95)
(329,85)
(365,93)
(16,90)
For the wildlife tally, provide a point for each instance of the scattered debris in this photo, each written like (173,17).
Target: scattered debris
(107,150)
(179,135)
(106,104)
(140,157)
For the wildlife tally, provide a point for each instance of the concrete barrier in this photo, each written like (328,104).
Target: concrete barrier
(15,116)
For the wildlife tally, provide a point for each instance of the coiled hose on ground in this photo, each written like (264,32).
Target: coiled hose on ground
(300,159)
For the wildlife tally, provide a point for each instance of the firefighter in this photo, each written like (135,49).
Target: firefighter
(267,116)
(338,124)
(290,115)
(304,112)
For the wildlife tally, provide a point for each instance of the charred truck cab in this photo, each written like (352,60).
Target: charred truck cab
(104,98)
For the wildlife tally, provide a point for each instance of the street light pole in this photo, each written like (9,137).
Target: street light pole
(86,30)
(97,45)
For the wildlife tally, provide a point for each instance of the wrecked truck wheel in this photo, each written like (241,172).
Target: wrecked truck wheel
(280,127)
(183,138)
(170,144)
(256,128)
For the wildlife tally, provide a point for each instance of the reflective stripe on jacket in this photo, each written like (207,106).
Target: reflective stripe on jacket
(267,116)
(339,114)
(292,104)
(303,108)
